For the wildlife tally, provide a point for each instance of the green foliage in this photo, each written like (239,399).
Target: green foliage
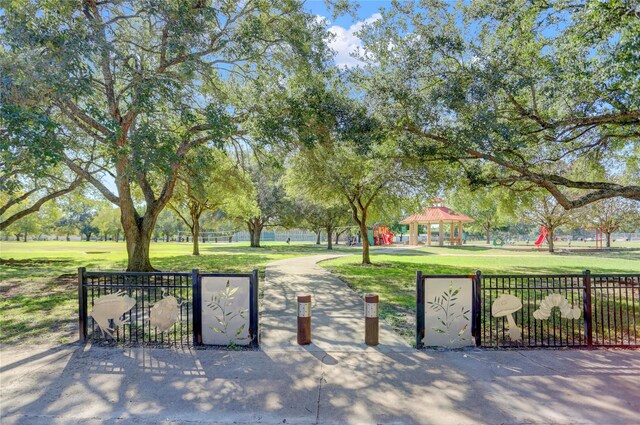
(534,88)
(130,88)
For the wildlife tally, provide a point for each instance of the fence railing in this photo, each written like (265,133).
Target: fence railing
(157,309)
(555,310)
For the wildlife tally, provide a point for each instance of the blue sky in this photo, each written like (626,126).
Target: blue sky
(344,27)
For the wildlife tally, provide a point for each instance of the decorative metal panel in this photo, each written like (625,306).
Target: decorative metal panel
(225,310)
(448,304)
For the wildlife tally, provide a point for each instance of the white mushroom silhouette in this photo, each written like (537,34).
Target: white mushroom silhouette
(505,305)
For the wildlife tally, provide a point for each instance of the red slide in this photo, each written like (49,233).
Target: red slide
(544,232)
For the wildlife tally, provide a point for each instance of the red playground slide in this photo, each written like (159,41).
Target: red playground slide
(544,233)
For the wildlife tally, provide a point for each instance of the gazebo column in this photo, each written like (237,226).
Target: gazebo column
(451,233)
(441,233)
(413,233)
(429,234)
(459,233)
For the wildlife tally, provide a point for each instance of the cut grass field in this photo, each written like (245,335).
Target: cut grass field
(392,276)
(38,283)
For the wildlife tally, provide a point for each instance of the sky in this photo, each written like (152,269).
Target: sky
(344,27)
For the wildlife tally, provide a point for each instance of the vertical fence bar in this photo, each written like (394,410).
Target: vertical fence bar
(477,308)
(588,324)
(197,306)
(253,302)
(419,309)
(82,306)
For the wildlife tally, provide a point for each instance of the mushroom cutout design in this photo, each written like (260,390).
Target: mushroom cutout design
(506,305)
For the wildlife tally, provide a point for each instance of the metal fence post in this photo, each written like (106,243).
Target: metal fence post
(588,321)
(253,320)
(196,306)
(82,306)
(477,308)
(419,309)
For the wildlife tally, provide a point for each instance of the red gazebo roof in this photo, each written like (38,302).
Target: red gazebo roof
(436,215)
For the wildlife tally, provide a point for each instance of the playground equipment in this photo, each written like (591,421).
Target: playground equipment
(498,241)
(380,235)
(600,231)
(544,234)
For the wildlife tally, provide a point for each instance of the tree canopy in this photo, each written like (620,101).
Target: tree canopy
(131,87)
(533,88)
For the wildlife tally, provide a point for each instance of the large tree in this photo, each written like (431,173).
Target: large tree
(133,86)
(610,215)
(267,204)
(484,205)
(107,221)
(530,87)
(542,209)
(206,183)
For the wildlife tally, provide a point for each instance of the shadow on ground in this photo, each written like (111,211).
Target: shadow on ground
(91,384)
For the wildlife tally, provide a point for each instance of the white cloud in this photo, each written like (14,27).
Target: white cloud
(346,42)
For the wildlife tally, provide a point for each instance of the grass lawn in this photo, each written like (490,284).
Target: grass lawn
(38,283)
(393,275)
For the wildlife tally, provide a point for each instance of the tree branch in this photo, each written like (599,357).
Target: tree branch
(36,206)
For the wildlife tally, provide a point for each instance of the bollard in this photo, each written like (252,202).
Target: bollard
(304,319)
(371,319)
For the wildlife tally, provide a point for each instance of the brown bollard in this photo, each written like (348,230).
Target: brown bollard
(304,319)
(371,319)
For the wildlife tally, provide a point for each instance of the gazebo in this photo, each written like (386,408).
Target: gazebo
(437,214)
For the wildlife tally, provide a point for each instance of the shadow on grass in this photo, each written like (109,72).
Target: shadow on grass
(293,249)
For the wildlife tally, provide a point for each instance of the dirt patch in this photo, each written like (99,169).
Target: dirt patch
(29,262)
(38,286)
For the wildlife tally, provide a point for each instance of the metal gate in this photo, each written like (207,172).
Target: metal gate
(555,310)
(164,308)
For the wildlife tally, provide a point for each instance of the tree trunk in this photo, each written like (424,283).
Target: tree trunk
(550,238)
(257,234)
(195,230)
(608,239)
(117,236)
(329,232)
(17,235)
(365,242)
(318,234)
(137,235)
(487,229)
(25,236)
(138,240)
(251,232)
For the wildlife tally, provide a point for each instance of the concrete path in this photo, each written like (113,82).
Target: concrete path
(78,385)
(337,312)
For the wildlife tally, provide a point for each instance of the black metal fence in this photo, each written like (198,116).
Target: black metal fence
(117,307)
(572,310)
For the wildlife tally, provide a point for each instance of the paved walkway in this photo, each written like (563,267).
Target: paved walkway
(77,385)
(337,312)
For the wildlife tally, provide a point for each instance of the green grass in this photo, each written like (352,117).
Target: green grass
(38,283)
(392,276)
(48,258)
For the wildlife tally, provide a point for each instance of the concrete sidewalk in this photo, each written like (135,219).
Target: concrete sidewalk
(73,384)
(337,312)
